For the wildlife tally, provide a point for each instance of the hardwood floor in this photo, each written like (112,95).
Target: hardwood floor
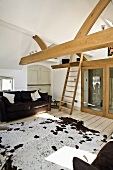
(102,124)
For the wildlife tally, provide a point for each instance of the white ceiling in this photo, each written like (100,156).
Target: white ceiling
(107,13)
(55,21)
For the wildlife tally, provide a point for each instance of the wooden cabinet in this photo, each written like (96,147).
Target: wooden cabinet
(39,78)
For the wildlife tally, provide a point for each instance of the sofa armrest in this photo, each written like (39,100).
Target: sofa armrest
(3,116)
(49,102)
(46,97)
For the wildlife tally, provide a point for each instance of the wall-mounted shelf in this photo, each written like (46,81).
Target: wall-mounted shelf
(38,84)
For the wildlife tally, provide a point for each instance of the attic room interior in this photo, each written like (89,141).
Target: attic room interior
(56,85)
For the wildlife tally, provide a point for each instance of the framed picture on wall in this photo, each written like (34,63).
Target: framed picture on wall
(110,51)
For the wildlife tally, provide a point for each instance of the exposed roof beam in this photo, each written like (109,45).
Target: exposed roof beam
(40,42)
(90,42)
(91,19)
(87,25)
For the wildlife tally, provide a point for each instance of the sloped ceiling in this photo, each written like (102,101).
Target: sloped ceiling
(55,21)
(107,13)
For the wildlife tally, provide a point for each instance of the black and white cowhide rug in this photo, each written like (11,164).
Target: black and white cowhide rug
(27,144)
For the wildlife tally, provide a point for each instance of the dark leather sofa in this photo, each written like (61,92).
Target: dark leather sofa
(23,105)
(103,161)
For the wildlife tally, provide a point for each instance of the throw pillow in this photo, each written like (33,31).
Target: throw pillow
(44,96)
(79,164)
(35,96)
(26,96)
(10,97)
(18,97)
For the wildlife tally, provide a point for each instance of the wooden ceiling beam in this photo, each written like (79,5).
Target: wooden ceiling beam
(93,16)
(94,41)
(97,62)
(87,25)
(40,42)
(91,19)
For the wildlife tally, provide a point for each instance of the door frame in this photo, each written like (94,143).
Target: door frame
(108,115)
(88,110)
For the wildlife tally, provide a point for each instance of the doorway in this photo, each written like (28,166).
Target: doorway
(97,87)
(93,89)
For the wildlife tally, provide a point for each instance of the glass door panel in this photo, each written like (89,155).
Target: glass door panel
(93,89)
(111,90)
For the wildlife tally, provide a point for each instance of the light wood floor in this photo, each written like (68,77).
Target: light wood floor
(102,124)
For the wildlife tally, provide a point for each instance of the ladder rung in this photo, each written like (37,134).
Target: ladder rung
(68,96)
(69,86)
(72,76)
(73,71)
(69,91)
(71,81)
(66,108)
(66,102)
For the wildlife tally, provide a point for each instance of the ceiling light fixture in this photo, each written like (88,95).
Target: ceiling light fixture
(32,52)
(102,27)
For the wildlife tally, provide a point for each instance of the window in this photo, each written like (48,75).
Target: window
(6,83)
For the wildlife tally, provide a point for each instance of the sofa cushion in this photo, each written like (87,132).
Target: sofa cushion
(26,95)
(104,157)
(17,97)
(37,104)
(1,93)
(9,96)
(44,96)
(6,101)
(79,164)
(18,107)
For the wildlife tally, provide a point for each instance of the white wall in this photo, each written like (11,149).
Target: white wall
(58,82)
(19,77)
(59,76)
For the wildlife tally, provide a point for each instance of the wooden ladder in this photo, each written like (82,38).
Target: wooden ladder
(69,91)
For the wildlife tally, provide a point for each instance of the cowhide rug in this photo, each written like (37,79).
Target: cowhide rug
(27,144)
